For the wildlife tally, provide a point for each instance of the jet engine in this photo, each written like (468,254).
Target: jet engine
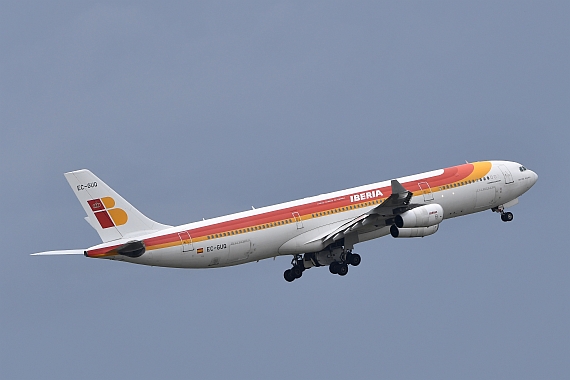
(413,232)
(423,216)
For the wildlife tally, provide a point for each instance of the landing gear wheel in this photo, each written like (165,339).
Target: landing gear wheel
(333,268)
(288,275)
(507,216)
(296,272)
(354,259)
(342,269)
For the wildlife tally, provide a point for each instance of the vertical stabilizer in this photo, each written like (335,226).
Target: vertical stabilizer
(107,212)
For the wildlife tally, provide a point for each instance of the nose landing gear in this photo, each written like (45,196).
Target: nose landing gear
(505,216)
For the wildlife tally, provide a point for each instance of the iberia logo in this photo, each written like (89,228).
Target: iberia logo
(106,214)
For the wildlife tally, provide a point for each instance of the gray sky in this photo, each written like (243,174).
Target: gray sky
(200,110)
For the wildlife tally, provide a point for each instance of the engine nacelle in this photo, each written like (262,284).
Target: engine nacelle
(423,216)
(413,232)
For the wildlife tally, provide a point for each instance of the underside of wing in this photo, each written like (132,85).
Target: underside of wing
(380,216)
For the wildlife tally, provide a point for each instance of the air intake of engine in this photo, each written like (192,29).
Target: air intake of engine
(423,216)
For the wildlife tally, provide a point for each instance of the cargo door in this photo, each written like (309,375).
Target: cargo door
(485,197)
(239,250)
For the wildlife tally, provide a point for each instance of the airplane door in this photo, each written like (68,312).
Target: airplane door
(426,191)
(507,174)
(298,220)
(186,241)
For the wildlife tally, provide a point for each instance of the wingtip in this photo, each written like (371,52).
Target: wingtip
(397,187)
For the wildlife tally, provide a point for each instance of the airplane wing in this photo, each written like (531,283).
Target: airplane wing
(380,216)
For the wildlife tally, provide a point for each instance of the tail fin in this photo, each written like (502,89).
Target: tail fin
(107,212)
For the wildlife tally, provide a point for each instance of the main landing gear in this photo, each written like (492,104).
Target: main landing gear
(505,216)
(341,267)
(296,271)
(337,262)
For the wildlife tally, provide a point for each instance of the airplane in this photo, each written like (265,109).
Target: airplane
(317,231)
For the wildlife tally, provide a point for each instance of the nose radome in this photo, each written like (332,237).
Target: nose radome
(534,177)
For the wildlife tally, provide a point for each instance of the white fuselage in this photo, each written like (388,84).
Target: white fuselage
(294,227)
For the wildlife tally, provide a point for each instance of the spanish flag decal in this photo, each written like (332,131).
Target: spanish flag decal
(106,213)
(200,250)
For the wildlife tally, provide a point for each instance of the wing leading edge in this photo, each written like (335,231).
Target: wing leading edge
(380,216)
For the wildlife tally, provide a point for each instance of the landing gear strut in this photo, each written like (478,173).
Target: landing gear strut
(505,216)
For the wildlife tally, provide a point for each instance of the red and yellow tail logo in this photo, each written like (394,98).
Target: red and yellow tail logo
(106,214)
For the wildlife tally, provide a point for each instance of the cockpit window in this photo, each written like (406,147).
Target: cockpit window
(522,168)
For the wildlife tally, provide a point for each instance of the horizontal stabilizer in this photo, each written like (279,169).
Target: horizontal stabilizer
(67,252)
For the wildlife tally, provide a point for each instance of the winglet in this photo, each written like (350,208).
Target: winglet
(397,187)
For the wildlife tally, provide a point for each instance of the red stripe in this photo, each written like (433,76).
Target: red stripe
(449,175)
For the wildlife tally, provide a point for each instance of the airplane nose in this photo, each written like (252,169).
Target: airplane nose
(534,178)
